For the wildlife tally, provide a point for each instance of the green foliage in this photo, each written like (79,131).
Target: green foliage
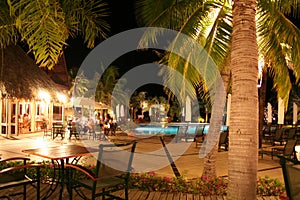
(45,26)
(269,186)
(204,186)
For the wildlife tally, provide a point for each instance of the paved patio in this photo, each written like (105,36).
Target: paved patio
(150,154)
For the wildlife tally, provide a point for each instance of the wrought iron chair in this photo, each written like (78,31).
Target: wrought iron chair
(111,173)
(17,174)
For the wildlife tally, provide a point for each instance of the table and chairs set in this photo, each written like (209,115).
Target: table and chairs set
(113,165)
(76,131)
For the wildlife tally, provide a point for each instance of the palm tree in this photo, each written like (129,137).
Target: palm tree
(45,26)
(135,102)
(243,140)
(196,21)
(107,85)
(210,24)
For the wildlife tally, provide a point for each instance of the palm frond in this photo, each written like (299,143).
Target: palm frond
(8,31)
(87,18)
(278,41)
(41,24)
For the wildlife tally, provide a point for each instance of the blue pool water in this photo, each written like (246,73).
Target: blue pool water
(173,129)
(152,129)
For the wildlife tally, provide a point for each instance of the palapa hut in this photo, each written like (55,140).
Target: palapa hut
(28,96)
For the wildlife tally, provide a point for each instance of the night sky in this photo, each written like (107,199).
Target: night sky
(121,19)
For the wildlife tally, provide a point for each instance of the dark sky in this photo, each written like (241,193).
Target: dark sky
(121,19)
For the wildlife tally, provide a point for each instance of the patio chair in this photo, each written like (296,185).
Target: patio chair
(186,133)
(278,137)
(181,133)
(291,134)
(199,137)
(12,175)
(291,173)
(47,131)
(111,173)
(287,151)
(74,131)
(223,141)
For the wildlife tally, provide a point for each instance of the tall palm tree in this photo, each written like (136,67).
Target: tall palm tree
(212,30)
(243,140)
(45,26)
(214,33)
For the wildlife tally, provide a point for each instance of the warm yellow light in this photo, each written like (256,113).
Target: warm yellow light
(61,98)
(297,149)
(43,95)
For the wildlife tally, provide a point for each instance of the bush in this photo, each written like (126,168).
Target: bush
(205,186)
(269,187)
(151,182)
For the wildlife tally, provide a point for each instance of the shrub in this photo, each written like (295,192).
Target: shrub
(150,182)
(205,186)
(267,186)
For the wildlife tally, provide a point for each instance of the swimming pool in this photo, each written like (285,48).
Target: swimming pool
(193,128)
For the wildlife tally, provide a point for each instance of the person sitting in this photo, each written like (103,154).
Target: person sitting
(26,121)
(91,126)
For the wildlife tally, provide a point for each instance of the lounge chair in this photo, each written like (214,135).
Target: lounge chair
(291,134)
(291,173)
(112,171)
(278,137)
(288,150)
(17,175)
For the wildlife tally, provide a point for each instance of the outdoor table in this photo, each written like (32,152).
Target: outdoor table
(60,155)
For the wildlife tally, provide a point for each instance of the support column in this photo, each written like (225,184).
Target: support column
(280,112)
(50,114)
(295,113)
(32,115)
(270,117)
(17,117)
(8,114)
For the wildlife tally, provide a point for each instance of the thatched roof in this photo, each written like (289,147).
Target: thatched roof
(20,77)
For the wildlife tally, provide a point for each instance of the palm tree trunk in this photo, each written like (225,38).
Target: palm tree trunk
(210,164)
(243,137)
(209,148)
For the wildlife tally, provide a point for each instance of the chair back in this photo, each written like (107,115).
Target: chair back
(291,173)
(289,148)
(182,130)
(223,137)
(291,133)
(278,134)
(199,130)
(114,160)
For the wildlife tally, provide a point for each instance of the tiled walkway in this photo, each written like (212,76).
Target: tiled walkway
(189,164)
